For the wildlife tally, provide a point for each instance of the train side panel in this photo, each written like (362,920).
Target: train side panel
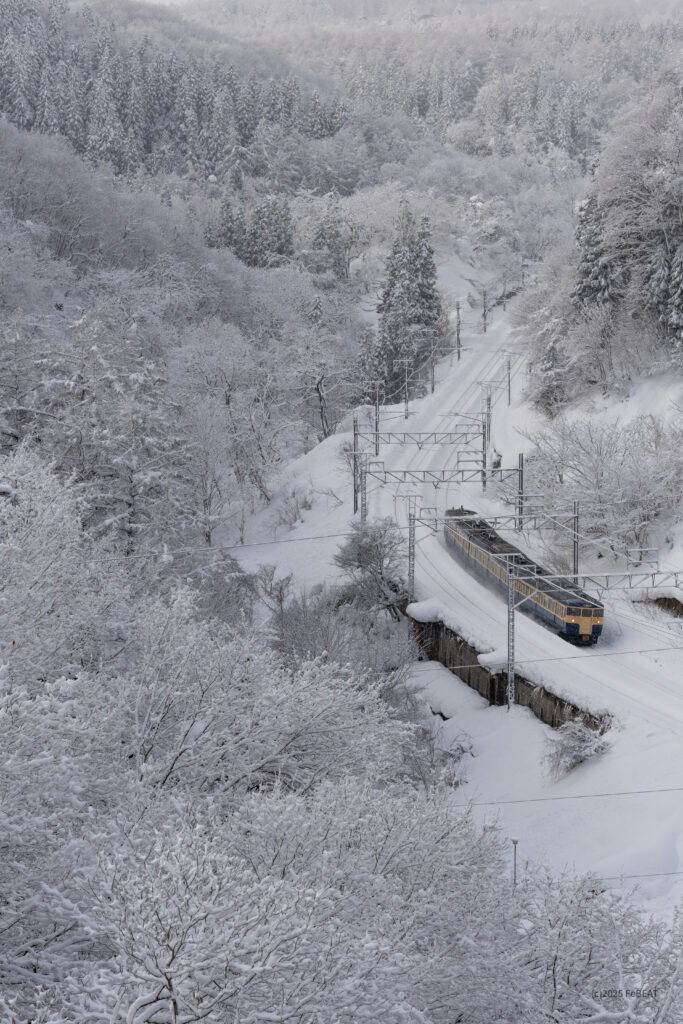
(473,565)
(479,562)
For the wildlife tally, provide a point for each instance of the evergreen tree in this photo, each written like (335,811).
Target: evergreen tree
(430,313)
(239,234)
(135,118)
(105,137)
(248,110)
(19,86)
(272,103)
(230,232)
(221,135)
(186,118)
(222,234)
(411,316)
(160,91)
(674,312)
(55,31)
(283,226)
(657,287)
(596,273)
(48,114)
(315,123)
(270,233)
(290,102)
(338,115)
(73,107)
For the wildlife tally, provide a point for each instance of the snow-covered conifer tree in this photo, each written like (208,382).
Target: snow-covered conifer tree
(105,135)
(410,307)
(674,311)
(596,274)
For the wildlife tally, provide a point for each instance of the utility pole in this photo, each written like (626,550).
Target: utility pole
(457,329)
(484,310)
(505,291)
(377,419)
(520,491)
(509,369)
(411,556)
(514,863)
(363,492)
(488,419)
(405,363)
(355,455)
(376,384)
(511,633)
(484,451)
(576,538)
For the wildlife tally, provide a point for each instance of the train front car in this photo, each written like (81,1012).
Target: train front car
(556,601)
(583,622)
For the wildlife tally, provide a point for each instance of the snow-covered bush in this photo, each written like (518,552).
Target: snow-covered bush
(373,560)
(324,624)
(571,745)
(57,607)
(625,477)
(291,509)
(595,957)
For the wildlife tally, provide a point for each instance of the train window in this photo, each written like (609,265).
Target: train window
(587,613)
(573,611)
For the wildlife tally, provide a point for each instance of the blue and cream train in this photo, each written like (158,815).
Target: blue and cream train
(557,601)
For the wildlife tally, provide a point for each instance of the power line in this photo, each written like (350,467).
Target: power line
(653,874)
(268,543)
(589,796)
(572,657)
(575,796)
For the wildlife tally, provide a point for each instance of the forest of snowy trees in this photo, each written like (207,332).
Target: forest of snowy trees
(216,802)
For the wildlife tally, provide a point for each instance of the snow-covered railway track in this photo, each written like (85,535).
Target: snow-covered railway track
(618,680)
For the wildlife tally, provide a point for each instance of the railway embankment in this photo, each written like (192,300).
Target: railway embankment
(439,642)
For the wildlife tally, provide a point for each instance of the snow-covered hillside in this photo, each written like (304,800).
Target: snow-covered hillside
(635,674)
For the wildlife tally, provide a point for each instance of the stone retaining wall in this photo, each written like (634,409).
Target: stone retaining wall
(439,643)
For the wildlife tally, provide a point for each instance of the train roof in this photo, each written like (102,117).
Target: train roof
(482,533)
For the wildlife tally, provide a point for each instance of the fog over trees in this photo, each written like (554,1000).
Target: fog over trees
(217,800)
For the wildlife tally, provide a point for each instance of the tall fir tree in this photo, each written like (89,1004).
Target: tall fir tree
(73,107)
(658,285)
(105,136)
(55,31)
(597,276)
(411,315)
(48,114)
(19,85)
(430,312)
(674,313)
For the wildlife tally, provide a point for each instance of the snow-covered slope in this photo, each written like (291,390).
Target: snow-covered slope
(635,674)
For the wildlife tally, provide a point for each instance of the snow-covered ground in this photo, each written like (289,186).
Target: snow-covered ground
(635,674)
(615,816)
